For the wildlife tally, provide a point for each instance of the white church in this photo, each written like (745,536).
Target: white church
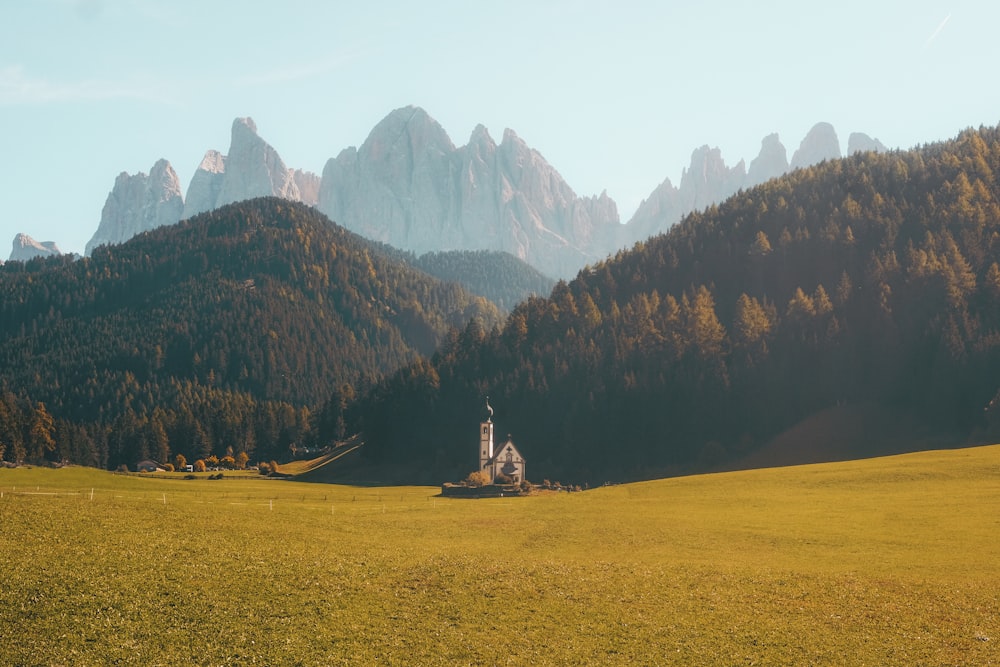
(506,460)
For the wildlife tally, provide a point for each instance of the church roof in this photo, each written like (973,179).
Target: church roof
(499,449)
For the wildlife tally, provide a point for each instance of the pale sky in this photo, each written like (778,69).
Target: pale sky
(615,95)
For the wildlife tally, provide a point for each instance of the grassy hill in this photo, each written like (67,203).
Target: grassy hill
(884,561)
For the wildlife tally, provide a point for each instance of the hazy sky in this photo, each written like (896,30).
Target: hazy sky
(615,95)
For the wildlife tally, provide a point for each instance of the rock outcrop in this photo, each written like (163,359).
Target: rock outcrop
(308,184)
(26,248)
(138,203)
(409,186)
(705,182)
(708,180)
(205,185)
(859,142)
(771,162)
(820,144)
(253,168)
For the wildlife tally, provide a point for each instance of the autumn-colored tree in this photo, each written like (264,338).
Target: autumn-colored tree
(40,441)
(199,466)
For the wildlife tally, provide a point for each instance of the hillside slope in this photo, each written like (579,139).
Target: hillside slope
(872,279)
(264,300)
(498,276)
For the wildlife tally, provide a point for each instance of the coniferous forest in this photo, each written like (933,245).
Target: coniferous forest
(215,335)
(868,280)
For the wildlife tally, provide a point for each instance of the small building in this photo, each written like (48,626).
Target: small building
(505,460)
(148,466)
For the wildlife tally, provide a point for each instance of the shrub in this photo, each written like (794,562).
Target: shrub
(169,467)
(503,479)
(263,468)
(525,485)
(199,466)
(477,478)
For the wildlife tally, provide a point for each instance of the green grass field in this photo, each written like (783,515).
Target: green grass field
(892,561)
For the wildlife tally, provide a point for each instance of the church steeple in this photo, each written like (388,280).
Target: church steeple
(486,438)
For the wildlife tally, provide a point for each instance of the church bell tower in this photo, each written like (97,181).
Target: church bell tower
(486,438)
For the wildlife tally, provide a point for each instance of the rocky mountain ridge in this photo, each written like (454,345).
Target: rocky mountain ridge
(26,248)
(408,185)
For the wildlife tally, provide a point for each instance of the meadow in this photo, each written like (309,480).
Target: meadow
(891,561)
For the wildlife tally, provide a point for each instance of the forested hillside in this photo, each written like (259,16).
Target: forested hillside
(215,334)
(870,279)
(499,276)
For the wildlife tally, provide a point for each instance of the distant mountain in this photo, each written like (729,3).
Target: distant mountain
(260,301)
(821,143)
(498,276)
(252,168)
(859,142)
(138,203)
(409,186)
(873,280)
(708,180)
(771,162)
(26,248)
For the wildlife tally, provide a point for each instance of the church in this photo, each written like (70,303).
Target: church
(505,460)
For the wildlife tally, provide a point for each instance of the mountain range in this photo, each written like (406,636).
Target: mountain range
(863,290)
(409,186)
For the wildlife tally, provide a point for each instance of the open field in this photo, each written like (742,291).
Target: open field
(892,561)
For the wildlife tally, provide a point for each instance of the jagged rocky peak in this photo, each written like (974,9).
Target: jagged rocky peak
(203,190)
(661,205)
(821,143)
(708,180)
(481,145)
(164,185)
(308,185)
(771,162)
(406,141)
(138,203)
(481,137)
(253,168)
(26,248)
(409,185)
(859,142)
